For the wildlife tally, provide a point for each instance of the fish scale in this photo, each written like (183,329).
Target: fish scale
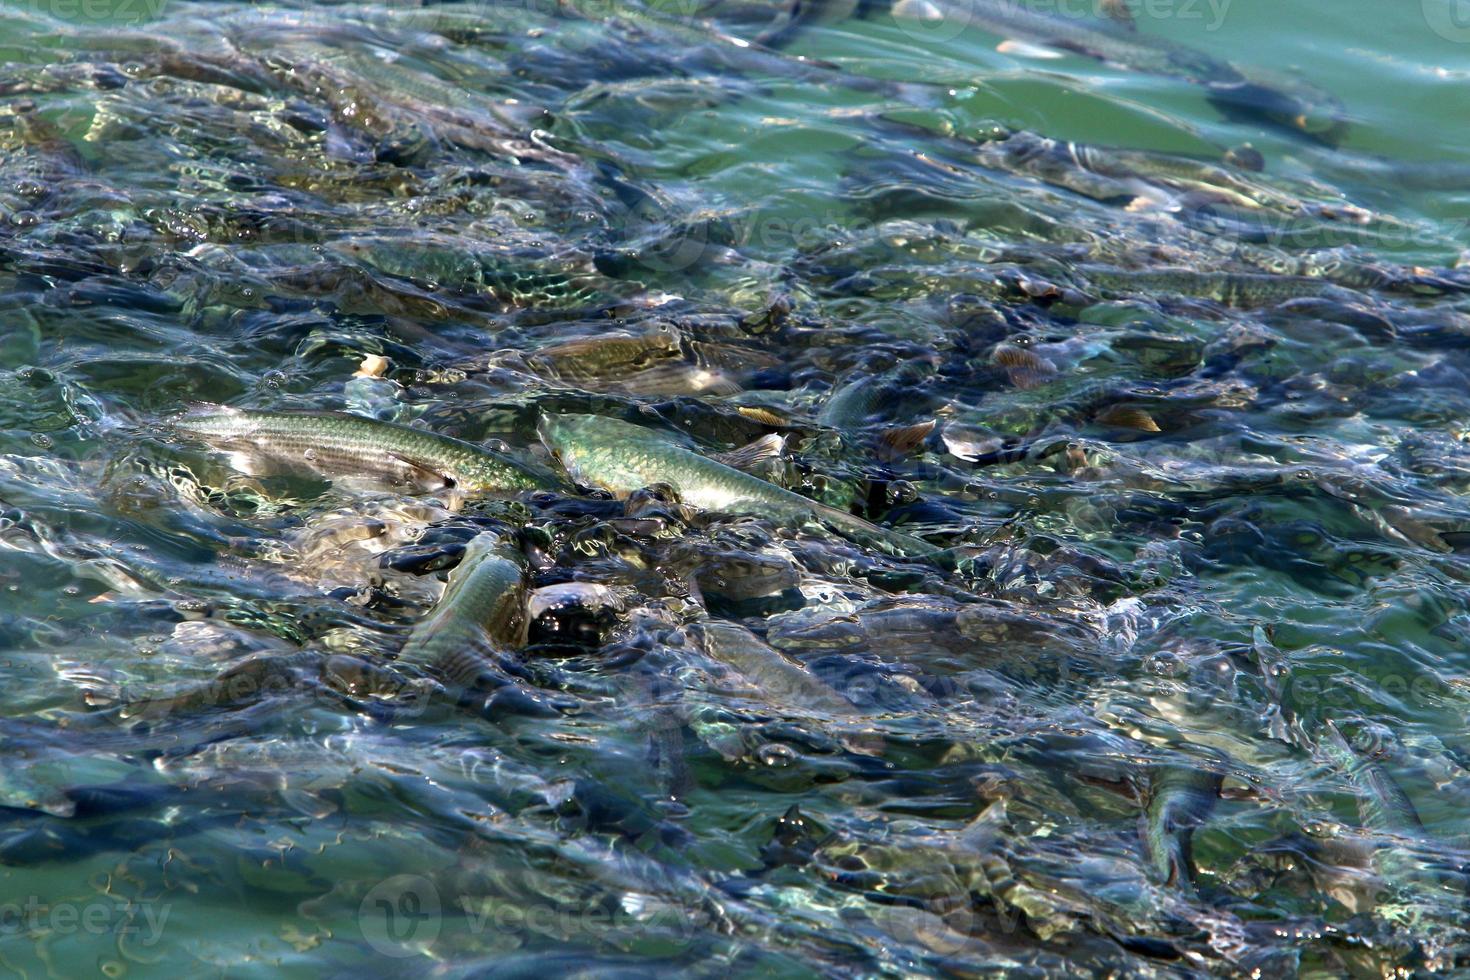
(341,444)
(483,609)
(621,457)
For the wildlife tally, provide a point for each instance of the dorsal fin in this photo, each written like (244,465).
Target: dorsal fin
(751,454)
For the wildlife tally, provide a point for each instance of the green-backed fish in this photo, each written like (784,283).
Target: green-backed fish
(1246,93)
(1243,289)
(1382,804)
(481,614)
(344,446)
(1180,799)
(1284,101)
(620,457)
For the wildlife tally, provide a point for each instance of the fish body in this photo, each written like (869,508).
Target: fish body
(783,681)
(1180,800)
(608,356)
(1280,101)
(1107,172)
(514,275)
(1382,804)
(853,404)
(482,612)
(1241,289)
(655,362)
(1282,722)
(620,457)
(338,444)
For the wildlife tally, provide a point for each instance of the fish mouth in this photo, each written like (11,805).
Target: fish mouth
(546,431)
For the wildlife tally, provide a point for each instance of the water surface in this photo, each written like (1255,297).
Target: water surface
(1183,694)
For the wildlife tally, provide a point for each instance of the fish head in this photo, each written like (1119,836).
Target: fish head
(663,337)
(480,546)
(1289,102)
(554,431)
(597,451)
(569,439)
(204,419)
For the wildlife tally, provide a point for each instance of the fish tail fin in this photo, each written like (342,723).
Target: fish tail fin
(902,544)
(765,448)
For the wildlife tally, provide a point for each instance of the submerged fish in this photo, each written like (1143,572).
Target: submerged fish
(1180,800)
(1246,93)
(783,681)
(1252,94)
(1137,176)
(337,444)
(607,355)
(654,362)
(514,275)
(481,615)
(620,457)
(1382,804)
(1244,289)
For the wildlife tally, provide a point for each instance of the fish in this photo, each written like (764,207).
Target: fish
(1180,800)
(1429,886)
(484,603)
(727,581)
(1111,173)
(654,362)
(1382,803)
(852,404)
(861,400)
(1286,103)
(522,274)
(342,445)
(621,457)
(781,680)
(1282,721)
(1240,289)
(606,356)
(466,643)
(450,654)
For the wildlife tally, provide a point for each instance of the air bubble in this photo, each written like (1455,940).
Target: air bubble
(776,755)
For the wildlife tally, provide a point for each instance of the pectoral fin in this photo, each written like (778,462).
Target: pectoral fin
(751,454)
(924,10)
(1025,49)
(421,477)
(1120,12)
(901,441)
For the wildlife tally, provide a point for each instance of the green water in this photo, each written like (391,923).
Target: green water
(1178,535)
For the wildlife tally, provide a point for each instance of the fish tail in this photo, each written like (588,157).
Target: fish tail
(863,530)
